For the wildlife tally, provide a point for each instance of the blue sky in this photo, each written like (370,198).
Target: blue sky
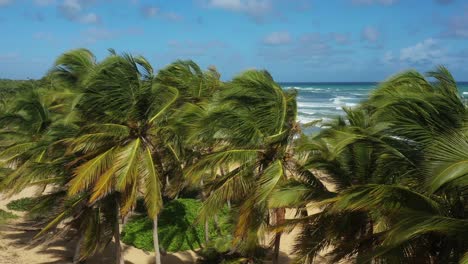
(296,40)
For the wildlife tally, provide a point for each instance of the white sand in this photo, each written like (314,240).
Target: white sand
(15,246)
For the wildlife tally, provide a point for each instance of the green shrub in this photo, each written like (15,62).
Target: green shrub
(6,216)
(219,252)
(176,228)
(37,208)
(22,205)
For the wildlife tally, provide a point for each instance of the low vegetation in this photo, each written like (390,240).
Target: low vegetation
(5,216)
(22,205)
(178,228)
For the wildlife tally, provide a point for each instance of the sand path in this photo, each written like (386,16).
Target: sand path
(16,248)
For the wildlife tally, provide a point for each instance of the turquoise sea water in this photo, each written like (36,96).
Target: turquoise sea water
(325,100)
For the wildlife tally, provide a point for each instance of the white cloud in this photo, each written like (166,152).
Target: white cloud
(310,49)
(73,11)
(370,34)
(370,2)
(242,5)
(95,34)
(9,56)
(388,57)
(46,36)
(255,8)
(456,26)
(277,38)
(153,11)
(5,2)
(89,18)
(172,16)
(149,11)
(341,38)
(44,2)
(445,2)
(426,51)
(189,48)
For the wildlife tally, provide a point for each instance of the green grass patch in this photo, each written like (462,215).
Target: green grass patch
(6,216)
(22,205)
(177,230)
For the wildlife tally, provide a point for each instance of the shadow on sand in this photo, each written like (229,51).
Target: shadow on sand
(60,250)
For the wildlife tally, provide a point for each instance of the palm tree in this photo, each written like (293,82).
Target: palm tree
(436,123)
(30,126)
(118,151)
(377,159)
(128,142)
(35,128)
(352,152)
(252,123)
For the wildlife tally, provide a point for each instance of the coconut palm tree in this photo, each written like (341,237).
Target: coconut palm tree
(434,122)
(30,126)
(118,149)
(378,157)
(35,127)
(127,143)
(252,123)
(352,152)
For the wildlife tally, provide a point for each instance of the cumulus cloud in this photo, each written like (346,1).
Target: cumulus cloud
(95,34)
(45,36)
(172,16)
(153,12)
(423,52)
(311,49)
(444,2)
(277,38)
(44,2)
(35,15)
(456,26)
(341,38)
(249,6)
(9,56)
(5,2)
(253,8)
(370,2)
(190,48)
(73,10)
(425,55)
(370,34)
(89,18)
(388,57)
(149,11)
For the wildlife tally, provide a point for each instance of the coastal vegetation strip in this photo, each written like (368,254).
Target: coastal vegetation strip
(178,158)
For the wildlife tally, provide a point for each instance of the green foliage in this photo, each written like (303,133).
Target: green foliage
(177,226)
(22,205)
(399,166)
(115,135)
(6,216)
(33,206)
(219,251)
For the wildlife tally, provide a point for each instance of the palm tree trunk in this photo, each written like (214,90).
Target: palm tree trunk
(216,225)
(118,249)
(77,255)
(207,225)
(157,253)
(279,219)
(207,232)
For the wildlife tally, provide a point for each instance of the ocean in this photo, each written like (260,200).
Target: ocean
(325,101)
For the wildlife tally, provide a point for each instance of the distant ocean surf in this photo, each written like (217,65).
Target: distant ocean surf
(325,101)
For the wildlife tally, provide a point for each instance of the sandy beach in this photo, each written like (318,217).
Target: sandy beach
(16,247)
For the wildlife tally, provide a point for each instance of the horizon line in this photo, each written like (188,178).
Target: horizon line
(280,82)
